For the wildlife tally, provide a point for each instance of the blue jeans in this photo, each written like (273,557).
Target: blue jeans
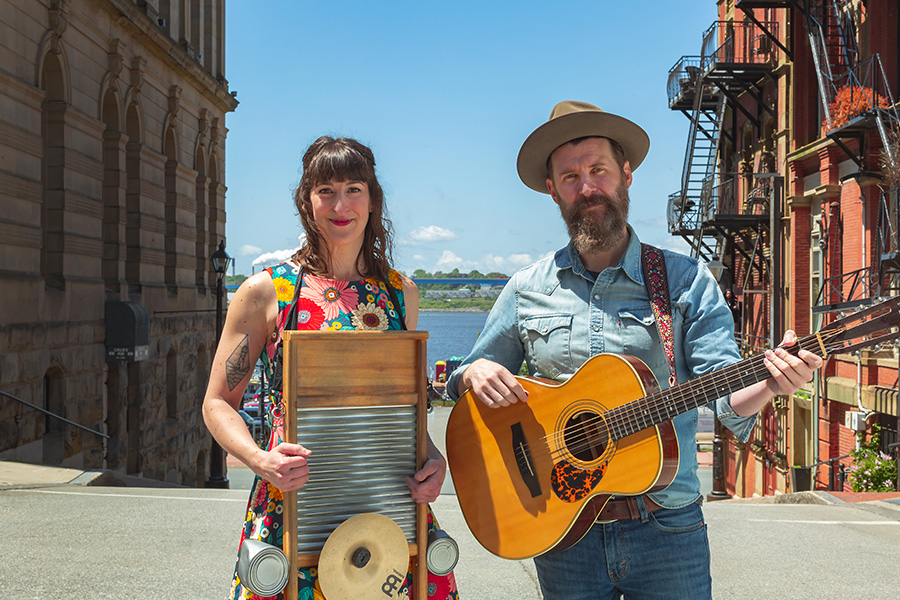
(662,556)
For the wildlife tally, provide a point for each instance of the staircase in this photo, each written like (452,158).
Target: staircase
(695,202)
(832,35)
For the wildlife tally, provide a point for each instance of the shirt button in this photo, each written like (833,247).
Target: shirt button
(596,328)
(596,296)
(544,330)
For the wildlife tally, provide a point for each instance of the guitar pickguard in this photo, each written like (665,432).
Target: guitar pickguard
(571,484)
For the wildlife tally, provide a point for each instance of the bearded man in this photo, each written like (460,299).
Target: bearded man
(590,298)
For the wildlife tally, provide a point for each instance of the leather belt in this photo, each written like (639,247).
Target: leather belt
(625,509)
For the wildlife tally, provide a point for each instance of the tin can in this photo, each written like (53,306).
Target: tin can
(442,553)
(263,568)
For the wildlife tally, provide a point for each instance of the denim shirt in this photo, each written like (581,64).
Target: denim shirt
(554,315)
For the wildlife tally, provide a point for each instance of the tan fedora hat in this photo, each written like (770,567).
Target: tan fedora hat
(571,120)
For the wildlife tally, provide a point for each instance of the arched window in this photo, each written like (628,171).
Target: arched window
(133,199)
(213,210)
(171,242)
(202,262)
(113,194)
(52,172)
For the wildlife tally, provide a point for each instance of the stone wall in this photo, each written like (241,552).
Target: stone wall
(112,161)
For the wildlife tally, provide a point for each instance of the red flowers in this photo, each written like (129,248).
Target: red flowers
(850,102)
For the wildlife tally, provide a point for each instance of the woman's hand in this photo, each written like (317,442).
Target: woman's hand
(285,466)
(425,486)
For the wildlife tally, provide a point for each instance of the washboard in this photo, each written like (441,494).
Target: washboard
(357,400)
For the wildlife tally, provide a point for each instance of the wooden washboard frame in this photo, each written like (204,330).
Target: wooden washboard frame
(355,369)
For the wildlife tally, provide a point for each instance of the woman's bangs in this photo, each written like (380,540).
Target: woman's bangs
(343,164)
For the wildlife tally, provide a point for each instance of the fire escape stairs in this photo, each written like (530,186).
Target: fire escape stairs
(694,205)
(832,37)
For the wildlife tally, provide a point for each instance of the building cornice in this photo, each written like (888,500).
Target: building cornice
(139,24)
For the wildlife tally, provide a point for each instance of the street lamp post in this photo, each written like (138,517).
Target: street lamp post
(217,468)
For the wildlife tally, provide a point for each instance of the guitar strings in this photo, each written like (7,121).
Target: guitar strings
(647,408)
(650,410)
(650,407)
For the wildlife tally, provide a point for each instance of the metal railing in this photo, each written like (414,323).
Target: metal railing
(683,77)
(741,43)
(719,195)
(862,90)
(54,415)
(847,290)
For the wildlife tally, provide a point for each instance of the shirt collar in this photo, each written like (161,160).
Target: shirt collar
(567,258)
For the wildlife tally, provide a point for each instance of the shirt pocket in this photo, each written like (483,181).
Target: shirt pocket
(639,335)
(548,340)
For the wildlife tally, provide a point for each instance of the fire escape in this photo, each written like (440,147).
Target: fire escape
(856,103)
(716,211)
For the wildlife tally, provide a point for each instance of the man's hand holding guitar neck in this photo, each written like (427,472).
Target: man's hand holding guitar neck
(495,386)
(789,372)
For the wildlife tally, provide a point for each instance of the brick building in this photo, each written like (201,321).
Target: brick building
(112,156)
(787,188)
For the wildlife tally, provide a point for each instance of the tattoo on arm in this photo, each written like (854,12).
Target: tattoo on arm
(238,364)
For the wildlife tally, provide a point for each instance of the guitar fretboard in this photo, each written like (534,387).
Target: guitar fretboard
(656,408)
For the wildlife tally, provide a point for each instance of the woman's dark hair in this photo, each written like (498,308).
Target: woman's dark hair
(343,159)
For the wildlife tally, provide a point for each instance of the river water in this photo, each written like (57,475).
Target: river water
(450,334)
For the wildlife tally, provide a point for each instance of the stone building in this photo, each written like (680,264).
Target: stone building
(112,199)
(790,186)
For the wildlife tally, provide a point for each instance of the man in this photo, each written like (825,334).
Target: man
(590,298)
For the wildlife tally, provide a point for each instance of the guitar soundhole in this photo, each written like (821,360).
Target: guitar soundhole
(586,436)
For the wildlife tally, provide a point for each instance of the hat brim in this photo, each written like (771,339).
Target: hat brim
(532,161)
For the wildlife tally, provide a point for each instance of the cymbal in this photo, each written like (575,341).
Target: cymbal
(365,558)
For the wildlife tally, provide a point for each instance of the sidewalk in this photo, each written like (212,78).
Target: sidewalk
(15,475)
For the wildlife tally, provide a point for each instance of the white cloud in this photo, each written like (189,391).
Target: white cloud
(431,233)
(488,263)
(449,260)
(508,264)
(248,250)
(268,259)
(418,257)
(676,245)
(273,258)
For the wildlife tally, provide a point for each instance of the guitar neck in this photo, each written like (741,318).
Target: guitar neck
(654,409)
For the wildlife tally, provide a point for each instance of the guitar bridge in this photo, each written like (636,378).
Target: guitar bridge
(523,460)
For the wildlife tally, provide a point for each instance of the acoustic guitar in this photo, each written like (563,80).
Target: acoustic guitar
(532,477)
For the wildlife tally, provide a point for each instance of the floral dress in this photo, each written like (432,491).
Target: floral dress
(323,304)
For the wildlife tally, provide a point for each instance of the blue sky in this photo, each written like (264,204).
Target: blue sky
(445,94)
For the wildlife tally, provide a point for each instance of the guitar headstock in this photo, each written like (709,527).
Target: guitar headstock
(872,325)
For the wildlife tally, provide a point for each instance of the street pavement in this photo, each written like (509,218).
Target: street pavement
(68,537)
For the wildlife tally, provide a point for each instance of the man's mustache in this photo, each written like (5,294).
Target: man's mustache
(597,199)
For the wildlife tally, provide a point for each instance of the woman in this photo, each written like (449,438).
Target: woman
(344,273)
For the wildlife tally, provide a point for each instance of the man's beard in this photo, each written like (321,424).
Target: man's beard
(596,232)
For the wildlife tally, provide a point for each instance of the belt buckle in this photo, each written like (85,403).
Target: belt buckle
(606,521)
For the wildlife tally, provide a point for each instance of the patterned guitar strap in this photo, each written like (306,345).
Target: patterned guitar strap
(653,264)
